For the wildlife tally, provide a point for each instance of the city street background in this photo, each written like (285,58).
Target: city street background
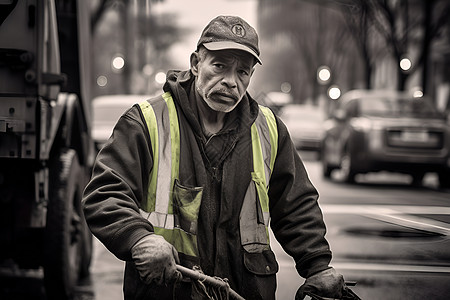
(69,69)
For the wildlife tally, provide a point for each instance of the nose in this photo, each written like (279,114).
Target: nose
(229,79)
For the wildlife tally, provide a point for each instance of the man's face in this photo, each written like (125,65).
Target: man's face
(222,77)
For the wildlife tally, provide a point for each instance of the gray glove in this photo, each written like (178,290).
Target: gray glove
(326,283)
(155,259)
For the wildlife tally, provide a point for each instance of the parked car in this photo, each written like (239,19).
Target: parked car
(386,131)
(106,111)
(305,125)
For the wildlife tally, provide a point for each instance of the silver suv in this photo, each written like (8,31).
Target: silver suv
(373,130)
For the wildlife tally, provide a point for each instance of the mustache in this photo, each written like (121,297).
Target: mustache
(224,92)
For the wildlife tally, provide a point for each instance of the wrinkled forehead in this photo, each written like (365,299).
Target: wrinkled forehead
(231,55)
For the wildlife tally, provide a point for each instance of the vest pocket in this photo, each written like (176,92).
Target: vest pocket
(186,206)
(263,263)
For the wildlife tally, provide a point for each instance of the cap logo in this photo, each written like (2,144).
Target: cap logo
(238,30)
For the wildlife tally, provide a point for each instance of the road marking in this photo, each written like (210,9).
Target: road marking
(402,215)
(416,222)
(384,209)
(389,267)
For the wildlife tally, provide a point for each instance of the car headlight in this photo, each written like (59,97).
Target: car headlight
(361,124)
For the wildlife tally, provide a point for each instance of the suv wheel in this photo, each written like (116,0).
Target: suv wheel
(326,167)
(347,168)
(417,178)
(444,179)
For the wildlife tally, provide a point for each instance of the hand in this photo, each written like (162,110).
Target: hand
(155,260)
(326,283)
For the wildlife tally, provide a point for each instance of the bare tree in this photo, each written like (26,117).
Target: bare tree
(305,36)
(355,14)
(98,11)
(403,25)
(141,36)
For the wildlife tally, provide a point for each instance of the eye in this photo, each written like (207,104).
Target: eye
(219,66)
(243,72)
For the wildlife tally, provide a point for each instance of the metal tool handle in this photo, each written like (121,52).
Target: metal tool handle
(196,275)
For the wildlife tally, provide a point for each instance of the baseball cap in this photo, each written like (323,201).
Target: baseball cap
(230,32)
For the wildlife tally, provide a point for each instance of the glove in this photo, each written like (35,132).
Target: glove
(155,259)
(326,283)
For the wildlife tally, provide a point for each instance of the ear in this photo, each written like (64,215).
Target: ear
(194,63)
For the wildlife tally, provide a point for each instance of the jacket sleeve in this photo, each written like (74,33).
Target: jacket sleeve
(296,218)
(118,185)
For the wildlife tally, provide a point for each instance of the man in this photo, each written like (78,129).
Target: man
(192,176)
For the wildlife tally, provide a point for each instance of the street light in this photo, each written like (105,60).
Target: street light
(334,92)
(117,63)
(286,87)
(323,74)
(160,77)
(405,64)
(102,80)
(147,70)
(417,92)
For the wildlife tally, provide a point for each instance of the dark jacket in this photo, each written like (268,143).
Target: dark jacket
(222,165)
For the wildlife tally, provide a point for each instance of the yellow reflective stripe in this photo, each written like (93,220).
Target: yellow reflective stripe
(164,169)
(175,143)
(258,159)
(160,115)
(150,120)
(182,241)
(273,131)
(261,190)
(162,220)
(264,125)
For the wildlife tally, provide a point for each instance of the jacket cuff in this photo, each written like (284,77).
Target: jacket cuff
(313,264)
(121,247)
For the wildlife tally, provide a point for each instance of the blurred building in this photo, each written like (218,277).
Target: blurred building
(130,44)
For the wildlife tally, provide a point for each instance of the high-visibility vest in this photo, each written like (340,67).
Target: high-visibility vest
(160,114)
